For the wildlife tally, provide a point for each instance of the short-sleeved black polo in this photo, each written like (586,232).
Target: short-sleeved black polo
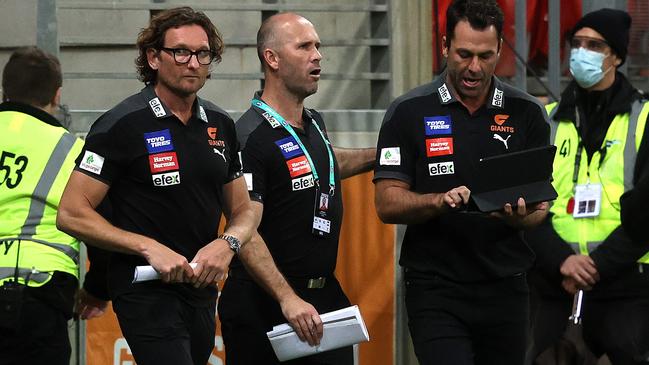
(279,176)
(165,177)
(430,140)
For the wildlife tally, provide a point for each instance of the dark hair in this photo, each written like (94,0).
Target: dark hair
(153,36)
(31,76)
(479,13)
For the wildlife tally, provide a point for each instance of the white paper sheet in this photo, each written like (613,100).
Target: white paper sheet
(147,272)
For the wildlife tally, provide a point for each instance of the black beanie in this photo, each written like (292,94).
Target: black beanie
(612,24)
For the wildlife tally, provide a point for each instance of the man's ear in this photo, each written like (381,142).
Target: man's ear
(272,59)
(153,58)
(444,46)
(57,97)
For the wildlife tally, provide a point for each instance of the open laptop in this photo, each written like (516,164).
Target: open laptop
(504,178)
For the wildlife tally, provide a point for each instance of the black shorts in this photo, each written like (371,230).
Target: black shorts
(163,329)
(247,313)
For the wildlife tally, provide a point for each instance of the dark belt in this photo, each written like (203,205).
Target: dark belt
(309,283)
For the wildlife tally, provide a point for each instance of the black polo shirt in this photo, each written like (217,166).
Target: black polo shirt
(279,176)
(429,140)
(165,177)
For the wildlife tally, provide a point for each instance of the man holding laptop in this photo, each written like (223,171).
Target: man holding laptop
(466,292)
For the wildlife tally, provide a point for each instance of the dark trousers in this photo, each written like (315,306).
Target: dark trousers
(246,313)
(465,324)
(40,338)
(162,329)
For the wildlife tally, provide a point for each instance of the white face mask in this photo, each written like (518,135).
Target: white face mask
(586,66)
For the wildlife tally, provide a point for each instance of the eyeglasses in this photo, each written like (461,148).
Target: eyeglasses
(183,55)
(592,44)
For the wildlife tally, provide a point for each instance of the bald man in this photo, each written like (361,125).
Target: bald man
(286,272)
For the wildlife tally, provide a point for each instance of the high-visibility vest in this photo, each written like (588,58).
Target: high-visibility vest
(36,160)
(614,173)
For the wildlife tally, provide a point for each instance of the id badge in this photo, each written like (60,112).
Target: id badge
(321,214)
(588,200)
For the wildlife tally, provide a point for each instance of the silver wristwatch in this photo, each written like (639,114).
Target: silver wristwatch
(234,242)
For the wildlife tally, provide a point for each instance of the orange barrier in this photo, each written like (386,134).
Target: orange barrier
(365,269)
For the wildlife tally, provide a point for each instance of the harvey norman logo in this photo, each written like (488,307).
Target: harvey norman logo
(439,147)
(298,166)
(302,183)
(163,162)
(441,168)
(171,178)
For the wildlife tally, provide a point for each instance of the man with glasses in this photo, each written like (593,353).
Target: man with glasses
(168,161)
(585,243)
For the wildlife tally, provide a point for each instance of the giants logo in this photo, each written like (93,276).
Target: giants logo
(163,162)
(439,146)
(211,132)
(302,183)
(500,119)
(172,178)
(298,166)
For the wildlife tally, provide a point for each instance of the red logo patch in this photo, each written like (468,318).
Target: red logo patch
(298,166)
(500,118)
(439,146)
(211,131)
(163,162)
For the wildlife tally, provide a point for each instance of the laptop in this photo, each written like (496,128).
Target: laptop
(504,178)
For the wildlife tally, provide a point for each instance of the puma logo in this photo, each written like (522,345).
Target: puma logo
(504,141)
(220,153)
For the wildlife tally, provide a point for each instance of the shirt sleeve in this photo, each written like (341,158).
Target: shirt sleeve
(105,153)
(234,169)
(538,133)
(395,152)
(254,169)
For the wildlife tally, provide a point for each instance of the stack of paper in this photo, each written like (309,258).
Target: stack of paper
(343,327)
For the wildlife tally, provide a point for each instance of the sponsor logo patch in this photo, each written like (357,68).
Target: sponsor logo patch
(390,156)
(439,146)
(289,147)
(92,162)
(170,178)
(211,132)
(156,107)
(158,141)
(500,119)
(163,162)
(440,124)
(444,94)
(441,168)
(298,166)
(498,98)
(302,183)
(271,120)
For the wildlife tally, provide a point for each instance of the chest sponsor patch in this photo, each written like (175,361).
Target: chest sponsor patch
(440,124)
(166,179)
(212,141)
(501,124)
(302,183)
(163,162)
(390,156)
(158,141)
(92,162)
(439,146)
(298,166)
(289,147)
(441,168)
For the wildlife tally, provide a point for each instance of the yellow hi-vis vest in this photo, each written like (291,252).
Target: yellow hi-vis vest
(614,173)
(36,160)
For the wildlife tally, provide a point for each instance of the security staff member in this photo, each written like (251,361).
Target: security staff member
(466,294)
(586,243)
(38,263)
(294,182)
(168,160)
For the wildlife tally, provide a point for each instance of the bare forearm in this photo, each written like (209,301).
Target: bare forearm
(353,161)
(534,219)
(399,206)
(259,263)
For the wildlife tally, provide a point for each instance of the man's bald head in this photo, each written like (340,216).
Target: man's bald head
(270,33)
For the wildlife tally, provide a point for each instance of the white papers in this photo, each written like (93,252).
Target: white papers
(147,272)
(341,328)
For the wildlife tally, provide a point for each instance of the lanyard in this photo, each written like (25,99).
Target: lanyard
(332,184)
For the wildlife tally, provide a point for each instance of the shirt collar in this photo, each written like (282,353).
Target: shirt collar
(446,92)
(160,110)
(37,113)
